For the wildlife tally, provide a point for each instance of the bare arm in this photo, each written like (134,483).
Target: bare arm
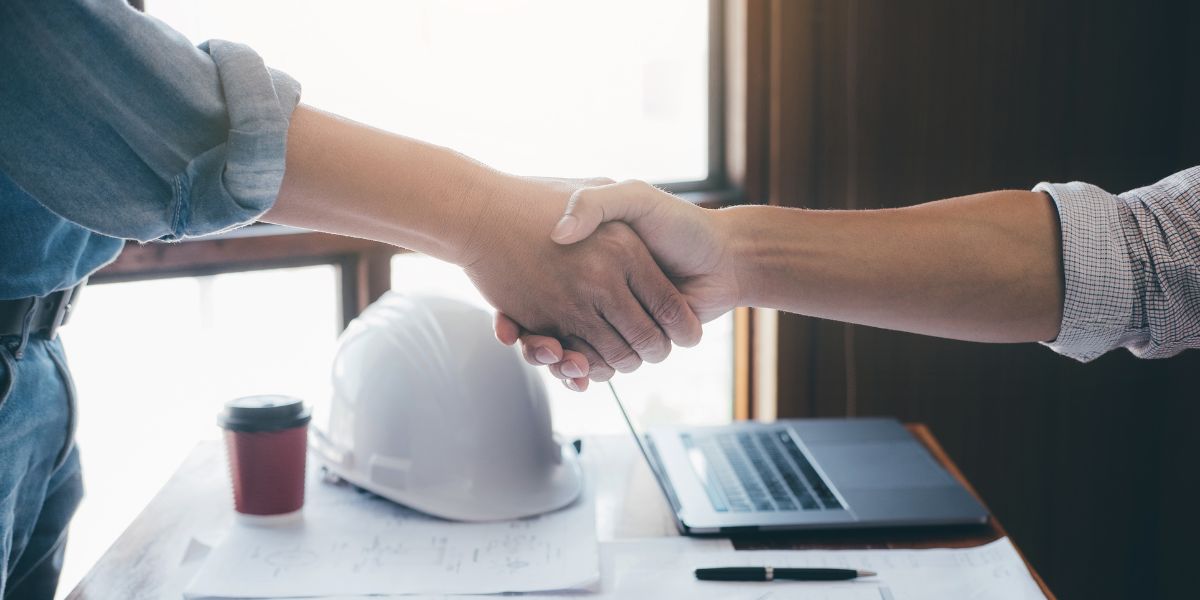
(1069,264)
(607,295)
(346,178)
(985,267)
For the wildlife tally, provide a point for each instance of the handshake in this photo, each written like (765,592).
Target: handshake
(625,271)
(594,277)
(585,295)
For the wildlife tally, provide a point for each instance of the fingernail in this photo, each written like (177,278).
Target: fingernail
(545,356)
(570,383)
(572,370)
(566,226)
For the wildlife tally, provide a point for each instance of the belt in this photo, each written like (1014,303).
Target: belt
(31,315)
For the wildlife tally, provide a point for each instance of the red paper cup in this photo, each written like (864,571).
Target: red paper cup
(266,440)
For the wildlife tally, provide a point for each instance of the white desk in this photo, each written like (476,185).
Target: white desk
(195,503)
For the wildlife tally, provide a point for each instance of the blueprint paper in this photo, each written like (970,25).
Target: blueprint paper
(350,543)
(662,568)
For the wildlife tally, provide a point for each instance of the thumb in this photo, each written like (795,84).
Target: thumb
(590,207)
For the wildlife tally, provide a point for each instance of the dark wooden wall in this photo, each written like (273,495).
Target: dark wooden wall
(1092,468)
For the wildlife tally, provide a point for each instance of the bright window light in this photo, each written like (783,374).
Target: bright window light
(153,363)
(617,88)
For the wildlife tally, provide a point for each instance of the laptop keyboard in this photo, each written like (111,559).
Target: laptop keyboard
(758,471)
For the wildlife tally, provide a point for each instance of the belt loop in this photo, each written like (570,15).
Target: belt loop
(26,325)
(10,375)
(62,309)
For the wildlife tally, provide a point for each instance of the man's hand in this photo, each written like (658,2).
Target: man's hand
(685,240)
(986,267)
(605,297)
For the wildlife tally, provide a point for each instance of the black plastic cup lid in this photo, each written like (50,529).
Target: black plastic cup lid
(264,413)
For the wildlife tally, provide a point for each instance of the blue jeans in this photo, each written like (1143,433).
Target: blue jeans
(40,483)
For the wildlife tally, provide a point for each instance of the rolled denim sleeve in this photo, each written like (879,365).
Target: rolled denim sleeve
(1131,266)
(114,121)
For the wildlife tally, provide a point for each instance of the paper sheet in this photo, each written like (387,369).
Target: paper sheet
(358,544)
(990,572)
(662,568)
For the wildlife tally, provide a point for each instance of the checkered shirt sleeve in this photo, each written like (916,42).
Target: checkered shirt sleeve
(1131,266)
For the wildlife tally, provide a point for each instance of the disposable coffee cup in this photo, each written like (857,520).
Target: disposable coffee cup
(266,439)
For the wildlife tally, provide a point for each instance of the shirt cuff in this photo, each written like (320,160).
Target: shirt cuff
(1099,297)
(234,183)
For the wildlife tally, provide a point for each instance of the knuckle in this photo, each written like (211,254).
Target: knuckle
(646,339)
(626,360)
(670,311)
(637,184)
(596,366)
(580,196)
(629,366)
(615,351)
(617,237)
(659,351)
(600,293)
(609,348)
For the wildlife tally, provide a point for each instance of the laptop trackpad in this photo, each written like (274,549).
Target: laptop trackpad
(880,465)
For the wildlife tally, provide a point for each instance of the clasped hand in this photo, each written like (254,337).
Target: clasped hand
(603,298)
(614,268)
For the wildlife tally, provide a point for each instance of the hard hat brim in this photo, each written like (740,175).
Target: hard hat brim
(561,487)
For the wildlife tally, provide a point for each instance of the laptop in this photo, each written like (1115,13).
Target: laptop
(801,474)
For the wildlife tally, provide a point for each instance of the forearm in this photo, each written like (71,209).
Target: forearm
(985,267)
(346,178)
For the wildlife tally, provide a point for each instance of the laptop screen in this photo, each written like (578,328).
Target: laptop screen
(641,442)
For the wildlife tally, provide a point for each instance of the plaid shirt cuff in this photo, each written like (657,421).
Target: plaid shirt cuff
(1099,297)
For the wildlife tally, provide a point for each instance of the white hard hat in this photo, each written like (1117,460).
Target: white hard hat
(430,411)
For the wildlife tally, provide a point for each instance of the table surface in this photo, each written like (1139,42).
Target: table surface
(196,502)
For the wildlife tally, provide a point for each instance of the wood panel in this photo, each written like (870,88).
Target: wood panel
(747,138)
(882,104)
(746,91)
(791,174)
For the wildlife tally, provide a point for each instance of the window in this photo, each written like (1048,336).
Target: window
(537,87)
(619,88)
(154,360)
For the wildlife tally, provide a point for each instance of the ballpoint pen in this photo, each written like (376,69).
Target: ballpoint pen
(772,573)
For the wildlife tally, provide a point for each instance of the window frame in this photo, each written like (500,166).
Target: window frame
(735,176)
(717,180)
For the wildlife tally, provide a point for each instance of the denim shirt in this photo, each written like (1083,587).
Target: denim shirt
(113,127)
